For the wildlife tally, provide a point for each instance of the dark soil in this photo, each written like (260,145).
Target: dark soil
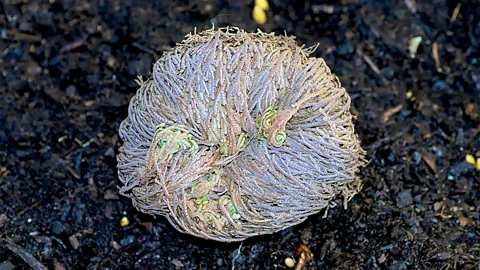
(67,74)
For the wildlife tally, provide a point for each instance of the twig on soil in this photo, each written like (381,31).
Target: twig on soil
(70,169)
(411,5)
(72,46)
(373,66)
(238,255)
(25,256)
(143,48)
(442,213)
(14,33)
(388,113)
(455,13)
(82,144)
(35,205)
(435,56)
(378,143)
(59,242)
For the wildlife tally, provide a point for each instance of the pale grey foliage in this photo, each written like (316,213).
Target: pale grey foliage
(238,134)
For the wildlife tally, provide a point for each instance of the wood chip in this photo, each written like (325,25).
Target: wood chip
(89,103)
(429,160)
(58,266)
(54,93)
(463,221)
(424,129)
(472,111)
(74,241)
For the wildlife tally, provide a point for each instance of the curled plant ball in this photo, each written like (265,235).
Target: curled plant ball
(238,134)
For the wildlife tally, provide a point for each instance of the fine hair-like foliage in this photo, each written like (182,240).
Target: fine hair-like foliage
(238,134)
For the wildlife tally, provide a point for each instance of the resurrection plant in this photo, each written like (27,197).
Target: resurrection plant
(238,134)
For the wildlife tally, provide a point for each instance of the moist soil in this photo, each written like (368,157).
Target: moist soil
(67,73)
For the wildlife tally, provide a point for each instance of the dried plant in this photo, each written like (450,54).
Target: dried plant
(238,134)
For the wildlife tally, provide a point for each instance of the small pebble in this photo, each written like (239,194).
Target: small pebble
(57,227)
(263,4)
(306,235)
(3,220)
(108,210)
(110,152)
(404,199)
(115,245)
(124,222)
(71,90)
(417,157)
(440,85)
(289,262)
(345,48)
(460,137)
(437,206)
(6,265)
(259,15)
(382,258)
(111,61)
(110,195)
(127,240)
(413,45)
(398,265)
(388,73)
(470,159)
